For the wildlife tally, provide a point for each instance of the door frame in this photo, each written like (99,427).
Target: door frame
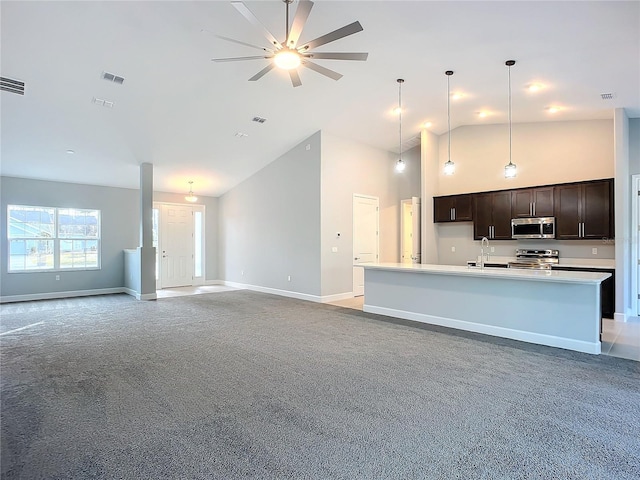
(353,228)
(635,242)
(195,281)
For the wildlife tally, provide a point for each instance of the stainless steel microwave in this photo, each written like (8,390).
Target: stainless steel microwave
(538,227)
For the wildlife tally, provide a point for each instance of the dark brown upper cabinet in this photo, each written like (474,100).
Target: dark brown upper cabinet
(452,208)
(492,215)
(532,202)
(584,210)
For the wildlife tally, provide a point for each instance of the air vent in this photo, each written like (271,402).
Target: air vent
(241,134)
(259,119)
(110,77)
(608,96)
(13,86)
(102,102)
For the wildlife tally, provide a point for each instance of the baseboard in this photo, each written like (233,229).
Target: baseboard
(537,338)
(66,294)
(620,317)
(276,291)
(336,297)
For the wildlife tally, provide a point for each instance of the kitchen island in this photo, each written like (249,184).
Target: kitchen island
(554,308)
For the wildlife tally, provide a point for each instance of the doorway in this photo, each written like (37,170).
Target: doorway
(179,240)
(410,231)
(635,241)
(365,237)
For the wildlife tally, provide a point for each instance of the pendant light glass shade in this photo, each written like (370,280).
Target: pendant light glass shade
(190,196)
(449,166)
(510,168)
(400,165)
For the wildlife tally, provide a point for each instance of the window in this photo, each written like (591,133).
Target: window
(47,238)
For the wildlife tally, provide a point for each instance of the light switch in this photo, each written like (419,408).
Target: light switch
(453,249)
(594,251)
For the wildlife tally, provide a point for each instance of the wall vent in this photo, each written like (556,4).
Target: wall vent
(259,119)
(10,85)
(102,102)
(608,96)
(112,78)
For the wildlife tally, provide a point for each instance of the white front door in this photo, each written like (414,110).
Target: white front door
(176,242)
(365,237)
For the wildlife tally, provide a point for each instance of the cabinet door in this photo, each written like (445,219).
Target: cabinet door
(543,202)
(595,210)
(568,207)
(464,208)
(442,209)
(522,203)
(501,209)
(482,215)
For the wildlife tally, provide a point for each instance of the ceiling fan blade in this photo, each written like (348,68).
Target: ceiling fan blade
(295,78)
(345,31)
(237,59)
(322,70)
(244,43)
(246,13)
(262,72)
(302,13)
(337,56)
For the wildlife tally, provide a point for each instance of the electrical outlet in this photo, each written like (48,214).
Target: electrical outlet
(594,251)
(288,278)
(493,249)
(57,277)
(453,249)
(334,249)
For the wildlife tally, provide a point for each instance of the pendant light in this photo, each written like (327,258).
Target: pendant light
(190,196)
(510,168)
(449,166)
(400,165)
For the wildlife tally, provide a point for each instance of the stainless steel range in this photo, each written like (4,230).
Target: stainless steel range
(535,259)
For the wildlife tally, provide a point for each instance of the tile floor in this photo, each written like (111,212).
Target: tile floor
(181,291)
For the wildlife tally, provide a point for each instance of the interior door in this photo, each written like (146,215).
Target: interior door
(177,246)
(365,237)
(406,231)
(416,255)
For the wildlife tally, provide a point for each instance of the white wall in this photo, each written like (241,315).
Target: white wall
(634,146)
(350,167)
(545,153)
(269,225)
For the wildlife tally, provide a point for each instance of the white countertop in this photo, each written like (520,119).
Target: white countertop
(604,263)
(488,272)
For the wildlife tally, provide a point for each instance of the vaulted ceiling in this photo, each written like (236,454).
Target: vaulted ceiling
(186,114)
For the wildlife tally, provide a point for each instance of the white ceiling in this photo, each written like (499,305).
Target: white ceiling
(180,111)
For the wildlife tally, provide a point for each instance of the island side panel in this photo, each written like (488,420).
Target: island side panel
(565,315)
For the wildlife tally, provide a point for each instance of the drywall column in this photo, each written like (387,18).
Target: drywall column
(622,213)
(428,188)
(146,250)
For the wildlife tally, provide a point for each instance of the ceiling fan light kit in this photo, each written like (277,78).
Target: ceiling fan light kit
(288,55)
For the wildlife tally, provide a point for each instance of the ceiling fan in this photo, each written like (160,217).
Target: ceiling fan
(288,55)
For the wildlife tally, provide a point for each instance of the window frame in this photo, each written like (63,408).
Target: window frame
(57,238)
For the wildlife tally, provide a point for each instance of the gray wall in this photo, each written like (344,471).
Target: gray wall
(120,229)
(350,167)
(269,225)
(211,205)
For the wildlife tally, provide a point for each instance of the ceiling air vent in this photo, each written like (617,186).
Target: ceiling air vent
(13,86)
(259,119)
(102,102)
(608,96)
(113,78)
(241,134)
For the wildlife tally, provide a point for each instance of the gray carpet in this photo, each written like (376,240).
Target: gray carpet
(248,385)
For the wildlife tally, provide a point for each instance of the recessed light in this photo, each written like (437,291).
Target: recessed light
(457,96)
(553,109)
(534,87)
(71,152)
(397,111)
(482,114)
(427,124)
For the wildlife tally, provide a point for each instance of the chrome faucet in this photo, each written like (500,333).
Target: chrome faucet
(482,245)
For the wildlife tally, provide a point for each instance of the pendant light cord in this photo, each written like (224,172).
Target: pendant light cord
(449,117)
(400,82)
(509,114)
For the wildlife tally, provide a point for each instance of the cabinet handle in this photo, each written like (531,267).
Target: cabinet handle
(531,209)
(454,212)
(534,208)
(451,214)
